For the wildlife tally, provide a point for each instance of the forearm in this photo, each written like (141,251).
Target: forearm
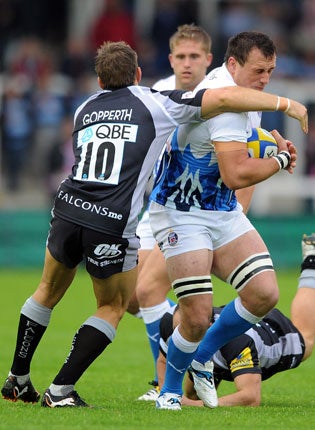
(239,399)
(240,99)
(248,173)
(248,391)
(186,401)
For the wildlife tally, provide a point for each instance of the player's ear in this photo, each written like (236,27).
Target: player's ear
(170,59)
(209,59)
(232,65)
(138,75)
(100,83)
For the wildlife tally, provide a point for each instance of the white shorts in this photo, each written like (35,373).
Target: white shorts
(144,232)
(177,232)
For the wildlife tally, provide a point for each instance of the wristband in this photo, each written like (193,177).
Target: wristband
(278,103)
(283,159)
(289,105)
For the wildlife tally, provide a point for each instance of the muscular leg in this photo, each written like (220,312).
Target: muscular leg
(36,311)
(302,307)
(303,316)
(34,319)
(152,288)
(133,307)
(98,331)
(256,298)
(189,273)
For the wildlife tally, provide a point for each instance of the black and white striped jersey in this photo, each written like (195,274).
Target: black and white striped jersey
(117,139)
(269,347)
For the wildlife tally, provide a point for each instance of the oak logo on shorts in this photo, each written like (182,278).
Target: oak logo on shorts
(104,250)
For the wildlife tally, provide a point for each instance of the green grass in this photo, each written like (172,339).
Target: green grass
(120,374)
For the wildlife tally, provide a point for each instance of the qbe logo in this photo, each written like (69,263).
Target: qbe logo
(104,250)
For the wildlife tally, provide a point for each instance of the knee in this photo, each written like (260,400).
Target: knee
(268,300)
(195,324)
(262,302)
(133,306)
(142,293)
(151,290)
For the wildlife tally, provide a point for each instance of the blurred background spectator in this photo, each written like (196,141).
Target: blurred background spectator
(60,158)
(17,130)
(47,53)
(116,22)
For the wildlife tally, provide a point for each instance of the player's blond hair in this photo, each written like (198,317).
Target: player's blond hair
(191,32)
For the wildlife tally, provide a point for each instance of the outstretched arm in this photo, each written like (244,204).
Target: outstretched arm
(240,99)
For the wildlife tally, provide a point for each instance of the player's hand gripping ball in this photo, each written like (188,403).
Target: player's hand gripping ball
(261,144)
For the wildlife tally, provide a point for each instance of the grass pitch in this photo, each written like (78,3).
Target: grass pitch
(120,374)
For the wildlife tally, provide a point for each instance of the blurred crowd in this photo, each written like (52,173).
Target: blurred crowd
(46,73)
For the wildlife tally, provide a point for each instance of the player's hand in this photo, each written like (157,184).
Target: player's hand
(298,111)
(286,145)
(293,153)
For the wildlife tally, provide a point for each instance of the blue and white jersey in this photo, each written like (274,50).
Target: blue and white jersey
(164,84)
(189,176)
(161,85)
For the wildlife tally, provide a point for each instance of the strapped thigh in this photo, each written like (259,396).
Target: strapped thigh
(191,286)
(249,268)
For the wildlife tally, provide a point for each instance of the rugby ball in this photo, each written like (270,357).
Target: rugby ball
(261,144)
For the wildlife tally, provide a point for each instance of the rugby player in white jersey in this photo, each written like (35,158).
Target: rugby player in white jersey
(202,229)
(153,282)
(190,56)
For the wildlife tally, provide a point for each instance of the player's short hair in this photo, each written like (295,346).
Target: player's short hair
(116,64)
(240,45)
(191,32)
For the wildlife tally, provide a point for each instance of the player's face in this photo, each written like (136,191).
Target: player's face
(255,73)
(189,62)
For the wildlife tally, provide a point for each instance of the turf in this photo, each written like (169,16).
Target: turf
(115,379)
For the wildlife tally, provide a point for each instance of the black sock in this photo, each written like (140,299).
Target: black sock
(87,345)
(28,337)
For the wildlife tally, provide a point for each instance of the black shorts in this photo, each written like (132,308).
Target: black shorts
(104,255)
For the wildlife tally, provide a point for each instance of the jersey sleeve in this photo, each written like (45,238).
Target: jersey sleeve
(229,127)
(241,356)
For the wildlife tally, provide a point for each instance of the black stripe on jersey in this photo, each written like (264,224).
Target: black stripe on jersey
(189,98)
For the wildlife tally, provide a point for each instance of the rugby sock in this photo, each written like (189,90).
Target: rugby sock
(307,278)
(34,319)
(233,321)
(152,317)
(88,343)
(138,315)
(171,302)
(179,356)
